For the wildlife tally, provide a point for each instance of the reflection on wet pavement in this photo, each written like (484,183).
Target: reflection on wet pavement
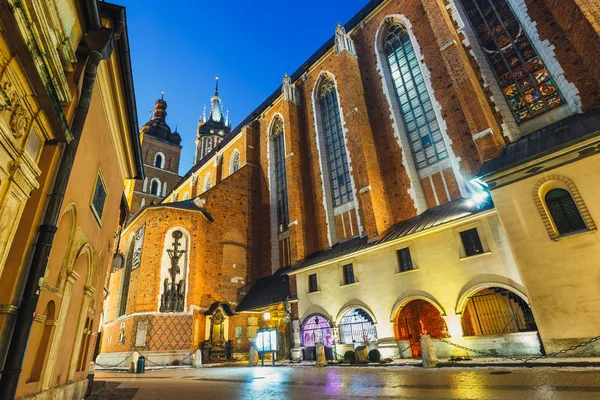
(344,382)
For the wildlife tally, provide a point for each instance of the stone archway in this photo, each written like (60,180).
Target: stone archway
(417,318)
(316,328)
(496,311)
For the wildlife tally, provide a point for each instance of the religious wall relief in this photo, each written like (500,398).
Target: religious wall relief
(174,272)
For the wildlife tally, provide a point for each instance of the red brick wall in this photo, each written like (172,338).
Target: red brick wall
(576,42)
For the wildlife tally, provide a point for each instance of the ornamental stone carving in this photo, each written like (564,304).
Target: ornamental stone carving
(19,120)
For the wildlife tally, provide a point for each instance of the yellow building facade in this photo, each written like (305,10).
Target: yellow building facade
(66,104)
(547,197)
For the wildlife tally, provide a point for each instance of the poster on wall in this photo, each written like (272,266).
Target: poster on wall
(137,248)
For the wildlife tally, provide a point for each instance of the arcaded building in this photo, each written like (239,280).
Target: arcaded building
(368,218)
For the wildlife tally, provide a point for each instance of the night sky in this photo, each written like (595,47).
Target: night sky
(181,45)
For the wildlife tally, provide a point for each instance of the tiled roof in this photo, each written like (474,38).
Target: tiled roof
(431,218)
(182,205)
(266,292)
(547,140)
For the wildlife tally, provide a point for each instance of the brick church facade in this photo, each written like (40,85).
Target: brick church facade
(347,201)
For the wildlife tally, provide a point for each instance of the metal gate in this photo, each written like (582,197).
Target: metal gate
(419,318)
(496,311)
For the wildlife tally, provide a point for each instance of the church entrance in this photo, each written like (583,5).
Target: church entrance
(418,318)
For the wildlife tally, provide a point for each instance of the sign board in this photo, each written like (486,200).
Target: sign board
(266,341)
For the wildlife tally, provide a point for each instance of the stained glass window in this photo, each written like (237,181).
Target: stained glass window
(337,157)
(278,144)
(422,127)
(356,326)
(564,211)
(522,75)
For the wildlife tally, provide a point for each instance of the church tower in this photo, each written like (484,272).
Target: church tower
(213,130)
(161,150)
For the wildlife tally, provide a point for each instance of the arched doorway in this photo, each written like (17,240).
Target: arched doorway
(316,328)
(357,327)
(418,318)
(496,311)
(285,339)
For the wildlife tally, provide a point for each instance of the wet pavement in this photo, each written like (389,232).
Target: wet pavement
(353,382)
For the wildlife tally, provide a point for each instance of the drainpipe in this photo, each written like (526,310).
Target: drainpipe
(100,44)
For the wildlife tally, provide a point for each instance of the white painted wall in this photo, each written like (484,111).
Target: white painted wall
(442,276)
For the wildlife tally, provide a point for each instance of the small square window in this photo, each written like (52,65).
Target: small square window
(99,197)
(471,242)
(312,283)
(405,262)
(349,274)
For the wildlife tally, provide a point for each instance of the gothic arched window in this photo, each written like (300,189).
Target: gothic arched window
(234,164)
(564,211)
(521,73)
(125,279)
(155,187)
(337,157)
(207,182)
(420,121)
(279,173)
(159,160)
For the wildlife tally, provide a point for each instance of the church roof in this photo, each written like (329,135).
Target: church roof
(157,127)
(433,217)
(353,22)
(562,134)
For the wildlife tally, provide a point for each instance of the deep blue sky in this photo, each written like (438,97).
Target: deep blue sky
(180,45)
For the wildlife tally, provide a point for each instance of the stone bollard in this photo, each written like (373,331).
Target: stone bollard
(198,359)
(253,360)
(321,360)
(429,358)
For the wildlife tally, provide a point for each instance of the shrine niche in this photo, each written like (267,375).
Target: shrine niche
(174,268)
(217,345)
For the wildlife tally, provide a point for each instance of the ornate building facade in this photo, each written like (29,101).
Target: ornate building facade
(359,192)
(68,140)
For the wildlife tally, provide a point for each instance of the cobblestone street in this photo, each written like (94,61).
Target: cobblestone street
(346,382)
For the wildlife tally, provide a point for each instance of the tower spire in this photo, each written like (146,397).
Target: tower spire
(215,113)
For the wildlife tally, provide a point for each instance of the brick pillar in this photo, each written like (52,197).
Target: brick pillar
(478,114)
(374,207)
(294,173)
